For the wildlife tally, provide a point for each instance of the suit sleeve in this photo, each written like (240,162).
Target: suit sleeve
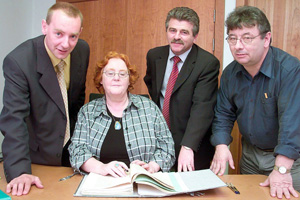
(203,102)
(148,76)
(16,108)
(80,99)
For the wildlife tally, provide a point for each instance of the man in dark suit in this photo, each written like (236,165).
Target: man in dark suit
(193,96)
(34,118)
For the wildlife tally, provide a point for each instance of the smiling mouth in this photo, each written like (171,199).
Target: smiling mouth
(62,51)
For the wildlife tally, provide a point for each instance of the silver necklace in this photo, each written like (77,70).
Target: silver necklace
(118,125)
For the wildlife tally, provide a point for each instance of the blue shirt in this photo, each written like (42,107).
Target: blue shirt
(146,133)
(266,107)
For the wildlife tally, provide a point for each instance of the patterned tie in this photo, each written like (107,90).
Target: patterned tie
(169,89)
(63,89)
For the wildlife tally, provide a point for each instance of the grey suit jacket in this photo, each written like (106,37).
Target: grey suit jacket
(33,118)
(192,101)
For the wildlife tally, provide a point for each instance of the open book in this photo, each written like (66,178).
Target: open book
(140,183)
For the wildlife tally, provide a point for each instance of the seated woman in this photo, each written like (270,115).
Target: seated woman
(120,128)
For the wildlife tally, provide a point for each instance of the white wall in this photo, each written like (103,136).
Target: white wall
(227,56)
(19,21)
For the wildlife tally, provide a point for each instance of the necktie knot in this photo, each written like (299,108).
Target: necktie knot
(60,66)
(176,60)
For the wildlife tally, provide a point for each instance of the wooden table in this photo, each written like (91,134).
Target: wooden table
(248,185)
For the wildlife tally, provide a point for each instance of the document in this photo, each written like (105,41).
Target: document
(140,183)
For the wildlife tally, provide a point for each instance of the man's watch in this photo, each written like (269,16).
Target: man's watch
(282,169)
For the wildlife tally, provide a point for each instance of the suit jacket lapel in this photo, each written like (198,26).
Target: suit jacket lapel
(186,69)
(161,65)
(48,79)
(76,72)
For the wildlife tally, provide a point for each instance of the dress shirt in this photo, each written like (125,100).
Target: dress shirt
(67,66)
(146,133)
(266,107)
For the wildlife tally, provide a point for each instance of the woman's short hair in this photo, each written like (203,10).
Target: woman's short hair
(133,74)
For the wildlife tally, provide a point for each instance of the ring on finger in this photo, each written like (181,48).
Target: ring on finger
(117,164)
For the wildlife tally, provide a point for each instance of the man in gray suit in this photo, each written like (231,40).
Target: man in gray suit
(192,99)
(34,118)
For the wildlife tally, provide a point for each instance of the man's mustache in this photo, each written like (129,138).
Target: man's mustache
(177,41)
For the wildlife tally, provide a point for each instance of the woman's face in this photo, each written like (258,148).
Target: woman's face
(115,78)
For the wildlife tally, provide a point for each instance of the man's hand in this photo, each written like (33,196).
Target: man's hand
(21,185)
(280,184)
(185,160)
(221,157)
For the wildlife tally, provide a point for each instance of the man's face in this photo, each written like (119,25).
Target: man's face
(61,34)
(249,55)
(180,36)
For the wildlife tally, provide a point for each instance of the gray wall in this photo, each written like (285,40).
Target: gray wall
(19,21)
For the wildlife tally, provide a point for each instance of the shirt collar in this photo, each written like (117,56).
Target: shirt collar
(100,104)
(266,67)
(182,56)
(53,59)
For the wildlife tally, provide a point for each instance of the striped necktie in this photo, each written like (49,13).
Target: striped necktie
(170,86)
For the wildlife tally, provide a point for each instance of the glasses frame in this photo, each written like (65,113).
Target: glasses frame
(242,40)
(105,72)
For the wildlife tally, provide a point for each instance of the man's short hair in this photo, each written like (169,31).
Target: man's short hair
(67,8)
(248,16)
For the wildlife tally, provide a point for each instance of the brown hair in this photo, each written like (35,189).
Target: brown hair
(133,74)
(248,16)
(67,8)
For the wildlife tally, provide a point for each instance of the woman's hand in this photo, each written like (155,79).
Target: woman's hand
(151,167)
(114,168)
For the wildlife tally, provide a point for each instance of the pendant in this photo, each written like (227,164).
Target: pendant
(118,125)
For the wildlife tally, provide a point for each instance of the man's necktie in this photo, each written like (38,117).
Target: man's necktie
(63,89)
(169,90)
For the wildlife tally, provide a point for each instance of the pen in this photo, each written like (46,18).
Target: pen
(233,188)
(67,177)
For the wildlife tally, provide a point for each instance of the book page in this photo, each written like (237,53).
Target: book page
(96,183)
(146,180)
(200,180)
(184,182)
(159,178)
